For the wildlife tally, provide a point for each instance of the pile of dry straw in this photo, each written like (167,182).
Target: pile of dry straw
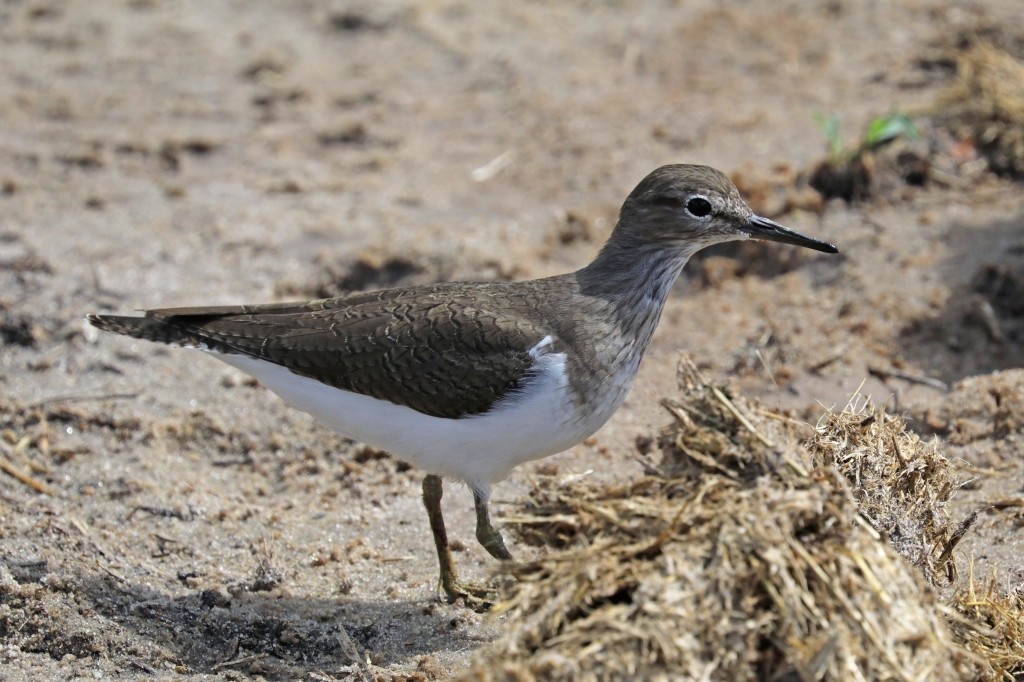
(759,549)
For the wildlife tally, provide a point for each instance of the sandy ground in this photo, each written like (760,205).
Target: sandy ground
(167,153)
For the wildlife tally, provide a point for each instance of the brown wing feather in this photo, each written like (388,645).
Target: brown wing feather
(434,352)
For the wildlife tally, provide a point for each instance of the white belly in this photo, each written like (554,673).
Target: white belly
(480,449)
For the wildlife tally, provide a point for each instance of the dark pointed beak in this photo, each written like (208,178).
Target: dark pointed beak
(769,230)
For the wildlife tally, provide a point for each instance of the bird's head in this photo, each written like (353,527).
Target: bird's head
(690,207)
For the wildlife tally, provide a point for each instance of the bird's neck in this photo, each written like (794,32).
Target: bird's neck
(635,276)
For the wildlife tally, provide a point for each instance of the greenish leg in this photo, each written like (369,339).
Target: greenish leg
(449,581)
(486,534)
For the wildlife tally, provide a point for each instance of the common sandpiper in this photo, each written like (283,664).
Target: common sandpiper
(467,380)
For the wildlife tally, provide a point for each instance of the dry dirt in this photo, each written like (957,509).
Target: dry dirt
(189,526)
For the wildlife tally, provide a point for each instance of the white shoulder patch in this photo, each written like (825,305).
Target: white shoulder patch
(543,347)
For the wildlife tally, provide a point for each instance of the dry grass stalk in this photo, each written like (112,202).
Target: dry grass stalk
(901,485)
(989,622)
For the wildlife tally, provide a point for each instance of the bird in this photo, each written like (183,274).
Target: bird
(468,380)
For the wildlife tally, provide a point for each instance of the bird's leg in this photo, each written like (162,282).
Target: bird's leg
(486,534)
(432,493)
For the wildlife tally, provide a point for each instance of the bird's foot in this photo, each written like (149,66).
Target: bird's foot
(477,597)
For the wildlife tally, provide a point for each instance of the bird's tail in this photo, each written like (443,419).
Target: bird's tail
(149,328)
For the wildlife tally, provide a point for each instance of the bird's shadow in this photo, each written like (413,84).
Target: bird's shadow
(272,634)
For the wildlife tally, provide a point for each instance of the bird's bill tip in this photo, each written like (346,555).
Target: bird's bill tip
(769,230)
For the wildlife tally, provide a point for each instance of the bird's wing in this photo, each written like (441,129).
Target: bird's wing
(441,355)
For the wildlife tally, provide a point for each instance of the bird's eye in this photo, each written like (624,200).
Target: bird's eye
(698,206)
